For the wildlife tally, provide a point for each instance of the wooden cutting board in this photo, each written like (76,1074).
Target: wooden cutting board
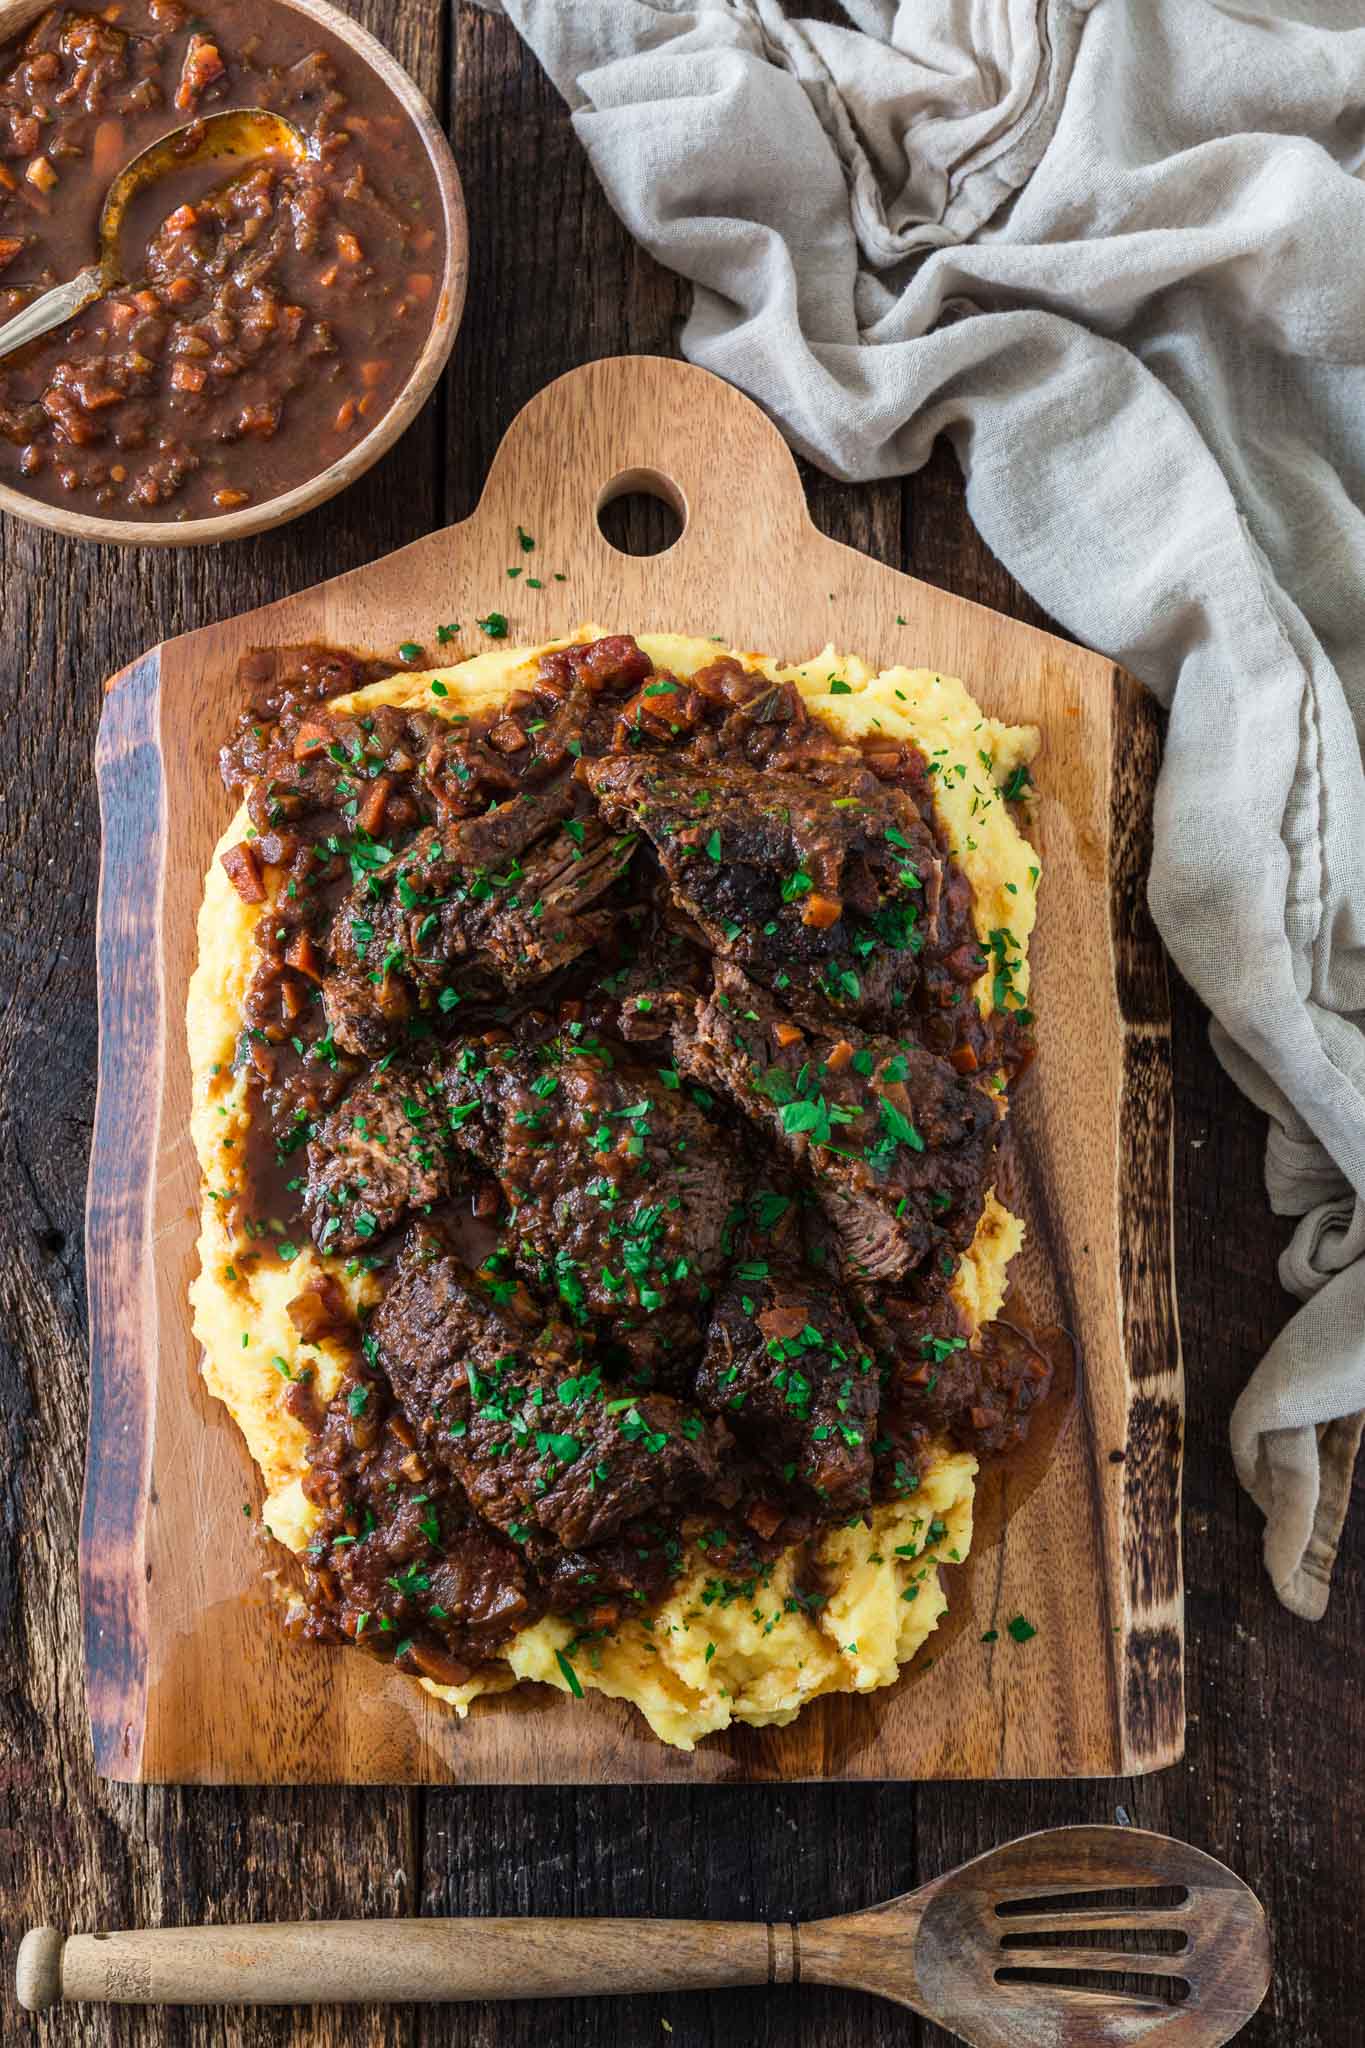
(188,1677)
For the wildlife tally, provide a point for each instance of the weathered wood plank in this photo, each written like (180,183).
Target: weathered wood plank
(1276,1710)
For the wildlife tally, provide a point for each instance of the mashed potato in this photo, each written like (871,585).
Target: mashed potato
(714,1652)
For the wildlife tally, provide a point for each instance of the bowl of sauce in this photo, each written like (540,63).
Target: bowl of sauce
(282,321)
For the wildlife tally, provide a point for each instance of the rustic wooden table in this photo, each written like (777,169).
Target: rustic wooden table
(1272,1780)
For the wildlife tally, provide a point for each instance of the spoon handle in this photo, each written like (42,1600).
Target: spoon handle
(398,1961)
(50,309)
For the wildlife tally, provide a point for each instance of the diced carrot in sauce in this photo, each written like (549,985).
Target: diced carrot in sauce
(371,813)
(182,219)
(820,911)
(310,739)
(181,290)
(366,404)
(8,181)
(259,419)
(228,501)
(188,377)
(345,415)
(421,284)
(839,1056)
(203,66)
(787,1034)
(328,277)
(964,1059)
(348,248)
(41,175)
(244,872)
(10,245)
(70,422)
(107,152)
(302,955)
(147,302)
(373,373)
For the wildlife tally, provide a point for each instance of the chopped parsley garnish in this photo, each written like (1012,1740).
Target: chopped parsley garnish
(570,1675)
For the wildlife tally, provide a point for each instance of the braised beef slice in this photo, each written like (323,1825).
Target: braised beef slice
(622,1191)
(398,1561)
(385,1149)
(542,1446)
(897,1144)
(786,1368)
(659,1350)
(943,1382)
(464,909)
(832,892)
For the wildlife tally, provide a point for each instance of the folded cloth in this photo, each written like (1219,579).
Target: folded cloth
(1112,251)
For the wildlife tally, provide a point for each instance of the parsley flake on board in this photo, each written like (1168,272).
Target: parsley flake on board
(571,1678)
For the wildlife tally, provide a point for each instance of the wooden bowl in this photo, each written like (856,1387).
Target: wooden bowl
(449,303)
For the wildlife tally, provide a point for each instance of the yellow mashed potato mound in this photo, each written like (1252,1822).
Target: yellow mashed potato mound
(710,1654)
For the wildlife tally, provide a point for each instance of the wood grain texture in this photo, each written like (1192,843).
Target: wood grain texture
(447,307)
(210,1690)
(1274,1706)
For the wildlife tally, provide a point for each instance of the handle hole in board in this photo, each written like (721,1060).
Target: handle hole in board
(641,512)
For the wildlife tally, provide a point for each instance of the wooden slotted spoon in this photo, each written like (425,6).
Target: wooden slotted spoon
(958,1951)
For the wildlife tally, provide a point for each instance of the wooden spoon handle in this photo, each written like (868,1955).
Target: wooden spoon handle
(352,1962)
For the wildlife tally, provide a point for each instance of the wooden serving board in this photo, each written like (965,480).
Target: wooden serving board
(189,1679)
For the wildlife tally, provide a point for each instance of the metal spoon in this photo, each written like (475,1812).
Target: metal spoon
(994,1951)
(240,132)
